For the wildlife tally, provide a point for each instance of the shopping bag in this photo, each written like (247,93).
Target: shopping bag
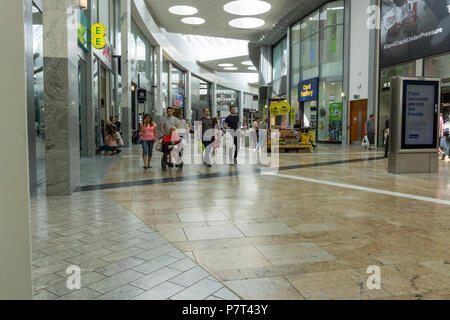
(365,142)
(119,137)
(159,145)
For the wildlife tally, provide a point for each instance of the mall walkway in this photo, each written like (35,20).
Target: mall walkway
(308,232)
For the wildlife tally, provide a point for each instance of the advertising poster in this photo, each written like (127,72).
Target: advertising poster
(419,114)
(336,111)
(413,29)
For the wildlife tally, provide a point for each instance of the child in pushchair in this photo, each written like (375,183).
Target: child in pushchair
(171,144)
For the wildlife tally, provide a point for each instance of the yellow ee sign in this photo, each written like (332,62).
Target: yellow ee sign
(98,36)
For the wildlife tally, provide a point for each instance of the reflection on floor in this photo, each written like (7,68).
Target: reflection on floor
(272,237)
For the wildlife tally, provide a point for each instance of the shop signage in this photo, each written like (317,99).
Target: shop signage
(308,90)
(280,108)
(336,111)
(142,95)
(420,114)
(98,36)
(83,28)
(413,29)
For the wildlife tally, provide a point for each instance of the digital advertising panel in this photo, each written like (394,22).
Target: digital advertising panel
(420,111)
(413,29)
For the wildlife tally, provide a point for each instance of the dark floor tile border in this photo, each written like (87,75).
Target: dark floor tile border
(140,183)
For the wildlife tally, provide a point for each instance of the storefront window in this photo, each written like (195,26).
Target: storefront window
(200,97)
(437,67)
(165,84)
(309,25)
(386,75)
(177,93)
(309,65)
(104,16)
(320,54)
(38,63)
(279,59)
(227,98)
(295,33)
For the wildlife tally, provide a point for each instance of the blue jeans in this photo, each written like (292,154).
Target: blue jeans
(147,147)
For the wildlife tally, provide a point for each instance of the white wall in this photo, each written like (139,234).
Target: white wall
(359,50)
(15,245)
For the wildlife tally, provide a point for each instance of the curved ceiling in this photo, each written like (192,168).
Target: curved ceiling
(216,24)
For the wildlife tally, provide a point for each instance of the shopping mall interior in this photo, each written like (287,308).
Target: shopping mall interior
(225,150)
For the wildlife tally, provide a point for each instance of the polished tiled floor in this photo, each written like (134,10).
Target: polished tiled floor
(309,232)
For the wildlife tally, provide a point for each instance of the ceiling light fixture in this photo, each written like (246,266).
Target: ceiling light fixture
(193,20)
(183,10)
(252,68)
(247,23)
(247,63)
(226,65)
(247,7)
(230,69)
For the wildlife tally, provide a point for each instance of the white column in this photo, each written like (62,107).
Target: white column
(15,245)
(214,99)
(125,29)
(241,106)
(60,43)
(188,95)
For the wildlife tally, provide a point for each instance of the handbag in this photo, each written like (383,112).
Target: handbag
(159,144)
(119,137)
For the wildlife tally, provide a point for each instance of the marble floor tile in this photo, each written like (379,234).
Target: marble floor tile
(160,292)
(156,278)
(202,217)
(334,285)
(213,232)
(295,253)
(199,291)
(264,229)
(274,288)
(226,259)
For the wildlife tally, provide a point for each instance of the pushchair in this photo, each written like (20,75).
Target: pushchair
(166,148)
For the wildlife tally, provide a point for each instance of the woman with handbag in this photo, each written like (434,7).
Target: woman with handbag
(148,131)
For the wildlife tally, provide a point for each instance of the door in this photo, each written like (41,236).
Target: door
(358,118)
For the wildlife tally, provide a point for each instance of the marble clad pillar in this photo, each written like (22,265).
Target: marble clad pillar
(214,100)
(60,28)
(125,29)
(241,106)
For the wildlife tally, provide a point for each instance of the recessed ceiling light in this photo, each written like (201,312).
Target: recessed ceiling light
(246,23)
(230,69)
(183,10)
(193,20)
(252,68)
(247,7)
(247,63)
(226,65)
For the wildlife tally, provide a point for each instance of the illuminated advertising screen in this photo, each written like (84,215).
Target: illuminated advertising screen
(413,29)
(420,112)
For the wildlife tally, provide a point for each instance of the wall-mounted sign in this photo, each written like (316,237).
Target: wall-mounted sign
(413,29)
(336,111)
(142,95)
(83,30)
(308,90)
(98,32)
(105,54)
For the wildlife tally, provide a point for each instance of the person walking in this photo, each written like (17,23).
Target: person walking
(255,127)
(209,125)
(167,123)
(386,138)
(370,130)
(148,132)
(442,154)
(184,128)
(232,125)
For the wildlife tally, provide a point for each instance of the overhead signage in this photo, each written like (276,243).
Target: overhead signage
(179,100)
(413,29)
(308,90)
(142,95)
(420,114)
